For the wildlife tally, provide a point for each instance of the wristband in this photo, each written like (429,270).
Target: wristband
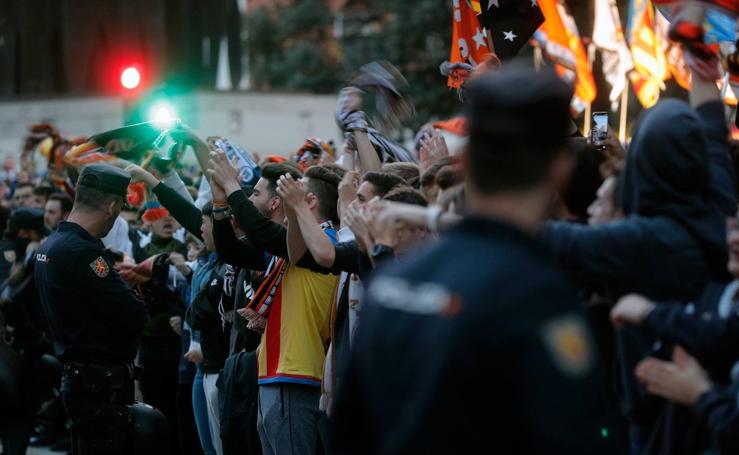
(432,218)
(219,205)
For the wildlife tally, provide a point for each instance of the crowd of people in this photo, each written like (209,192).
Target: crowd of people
(530,291)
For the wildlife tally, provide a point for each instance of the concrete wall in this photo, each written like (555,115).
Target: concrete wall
(265,123)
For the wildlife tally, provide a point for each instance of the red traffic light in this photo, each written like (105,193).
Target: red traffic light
(130,78)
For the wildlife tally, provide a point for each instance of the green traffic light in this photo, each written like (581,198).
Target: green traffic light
(163,115)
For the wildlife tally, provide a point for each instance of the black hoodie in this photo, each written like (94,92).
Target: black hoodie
(678,189)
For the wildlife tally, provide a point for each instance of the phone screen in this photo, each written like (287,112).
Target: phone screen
(599,130)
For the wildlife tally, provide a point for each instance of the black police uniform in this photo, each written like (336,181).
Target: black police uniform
(12,247)
(39,372)
(486,353)
(94,319)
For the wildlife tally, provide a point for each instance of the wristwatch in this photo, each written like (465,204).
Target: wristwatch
(380,250)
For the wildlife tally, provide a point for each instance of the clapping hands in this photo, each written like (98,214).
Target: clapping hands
(222,173)
(291,191)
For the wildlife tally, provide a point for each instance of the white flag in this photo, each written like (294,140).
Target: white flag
(608,36)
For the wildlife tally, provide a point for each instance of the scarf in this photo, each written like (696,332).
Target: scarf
(257,311)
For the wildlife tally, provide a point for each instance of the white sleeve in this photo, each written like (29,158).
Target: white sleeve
(204,194)
(173,180)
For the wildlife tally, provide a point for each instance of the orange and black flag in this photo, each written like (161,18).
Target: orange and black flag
(511,23)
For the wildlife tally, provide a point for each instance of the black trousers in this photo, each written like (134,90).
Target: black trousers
(96,400)
(189,442)
(38,375)
(160,359)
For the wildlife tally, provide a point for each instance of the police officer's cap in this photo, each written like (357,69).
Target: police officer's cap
(520,103)
(27,218)
(105,178)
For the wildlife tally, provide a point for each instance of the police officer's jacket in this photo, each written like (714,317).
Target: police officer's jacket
(475,344)
(93,316)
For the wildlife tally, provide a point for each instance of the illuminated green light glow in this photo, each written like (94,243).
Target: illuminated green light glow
(163,115)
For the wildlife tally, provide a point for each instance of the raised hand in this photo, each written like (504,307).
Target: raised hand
(139,174)
(615,156)
(356,219)
(384,223)
(222,172)
(433,148)
(631,309)
(291,191)
(219,194)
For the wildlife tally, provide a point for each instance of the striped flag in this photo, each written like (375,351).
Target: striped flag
(608,36)
(650,65)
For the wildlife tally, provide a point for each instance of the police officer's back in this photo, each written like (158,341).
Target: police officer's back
(93,316)
(477,344)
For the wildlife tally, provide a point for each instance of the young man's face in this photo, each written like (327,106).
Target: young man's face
(130,216)
(23,197)
(207,229)
(39,201)
(263,200)
(365,193)
(53,214)
(603,209)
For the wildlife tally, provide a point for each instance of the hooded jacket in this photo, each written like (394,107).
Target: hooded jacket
(678,190)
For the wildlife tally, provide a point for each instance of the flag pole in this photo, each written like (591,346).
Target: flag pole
(624,113)
(538,57)
(589,106)
(489,36)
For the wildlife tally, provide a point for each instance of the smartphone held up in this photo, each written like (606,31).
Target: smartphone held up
(599,130)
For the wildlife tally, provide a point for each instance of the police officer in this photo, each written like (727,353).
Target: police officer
(26,225)
(24,327)
(477,343)
(94,317)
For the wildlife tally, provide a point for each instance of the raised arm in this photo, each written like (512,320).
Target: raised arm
(239,253)
(308,236)
(705,98)
(183,210)
(261,231)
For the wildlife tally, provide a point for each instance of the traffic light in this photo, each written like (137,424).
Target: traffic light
(130,78)
(163,114)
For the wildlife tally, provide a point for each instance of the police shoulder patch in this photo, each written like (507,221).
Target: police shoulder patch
(568,342)
(100,267)
(9,255)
